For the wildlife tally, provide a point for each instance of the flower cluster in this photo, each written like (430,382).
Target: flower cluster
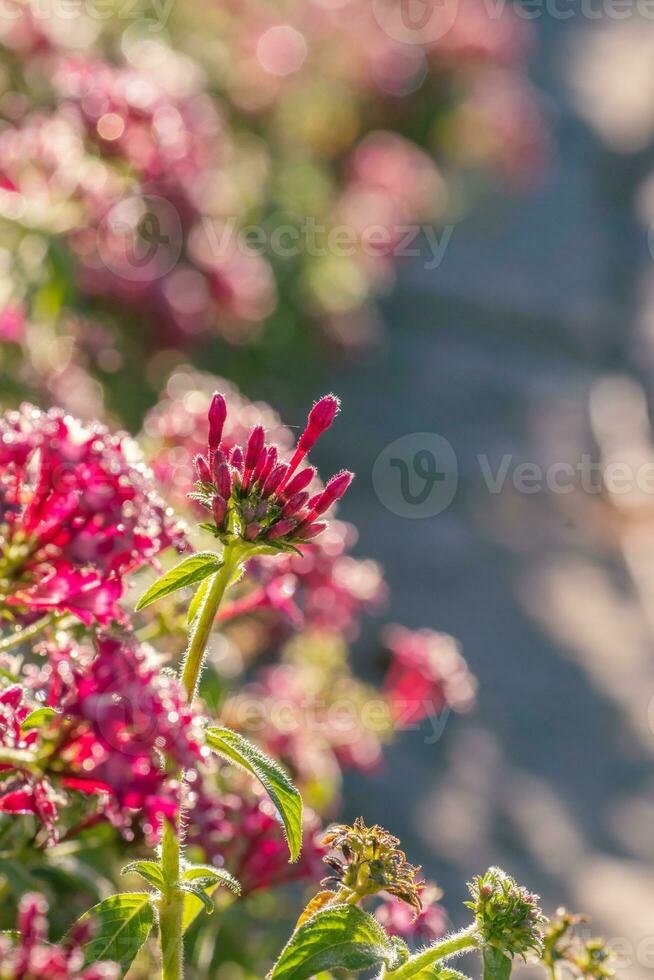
(78,512)
(399,919)
(587,957)
(367,860)
(427,675)
(119,731)
(29,955)
(253,495)
(507,915)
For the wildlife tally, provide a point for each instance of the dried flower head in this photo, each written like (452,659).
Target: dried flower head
(367,860)
(589,957)
(252,495)
(508,915)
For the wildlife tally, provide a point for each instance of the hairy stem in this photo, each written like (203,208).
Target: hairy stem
(171,903)
(452,945)
(21,636)
(194,657)
(171,907)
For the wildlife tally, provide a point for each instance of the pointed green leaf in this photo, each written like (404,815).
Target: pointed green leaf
(272,777)
(122,924)
(150,870)
(38,718)
(190,570)
(497,966)
(211,875)
(338,937)
(196,889)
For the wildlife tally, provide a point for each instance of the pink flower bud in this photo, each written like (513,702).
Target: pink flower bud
(332,492)
(254,447)
(280,530)
(224,480)
(217,416)
(300,481)
(275,479)
(237,458)
(271,460)
(321,417)
(295,504)
(252,531)
(218,509)
(202,469)
(307,531)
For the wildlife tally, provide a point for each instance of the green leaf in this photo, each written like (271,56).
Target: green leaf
(38,718)
(207,879)
(272,777)
(122,924)
(190,570)
(197,600)
(338,937)
(191,888)
(211,875)
(497,966)
(150,870)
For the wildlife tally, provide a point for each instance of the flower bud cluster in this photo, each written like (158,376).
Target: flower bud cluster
(587,957)
(508,916)
(255,496)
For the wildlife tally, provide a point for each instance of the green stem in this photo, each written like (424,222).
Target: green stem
(21,636)
(460,941)
(171,903)
(193,659)
(171,907)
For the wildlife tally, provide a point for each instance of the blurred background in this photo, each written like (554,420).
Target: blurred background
(493,168)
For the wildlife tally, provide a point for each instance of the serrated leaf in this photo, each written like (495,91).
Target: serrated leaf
(191,888)
(270,774)
(211,875)
(187,572)
(197,600)
(122,925)
(149,870)
(38,718)
(339,937)
(497,966)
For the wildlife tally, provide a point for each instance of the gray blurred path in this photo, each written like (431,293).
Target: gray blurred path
(497,350)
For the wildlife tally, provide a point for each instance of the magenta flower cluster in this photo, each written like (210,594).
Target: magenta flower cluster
(78,512)
(253,494)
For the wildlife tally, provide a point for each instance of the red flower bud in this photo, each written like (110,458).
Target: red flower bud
(300,481)
(237,458)
(275,479)
(252,531)
(309,530)
(280,530)
(254,447)
(202,469)
(218,509)
(224,480)
(271,460)
(294,504)
(332,492)
(217,416)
